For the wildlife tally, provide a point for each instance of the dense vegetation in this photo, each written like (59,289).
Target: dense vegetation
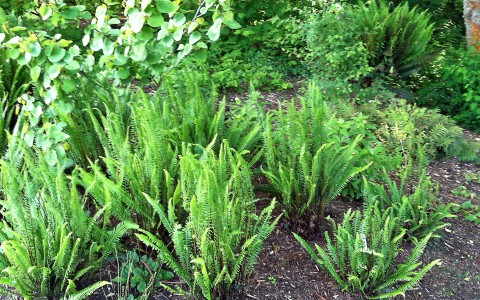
(117,146)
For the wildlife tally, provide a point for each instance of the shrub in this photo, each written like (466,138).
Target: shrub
(49,241)
(461,77)
(336,54)
(375,43)
(404,126)
(218,245)
(363,257)
(306,167)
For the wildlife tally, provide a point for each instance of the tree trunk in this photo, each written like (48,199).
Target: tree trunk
(471,13)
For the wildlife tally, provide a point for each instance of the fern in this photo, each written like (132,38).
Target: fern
(414,201)
(49,240)
(396,39)
(219,242)
(363,255)
(304,164)
(14,81)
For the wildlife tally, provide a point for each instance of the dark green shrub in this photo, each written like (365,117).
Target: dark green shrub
(375,42)
(397,39)
(461,77)
(14,81)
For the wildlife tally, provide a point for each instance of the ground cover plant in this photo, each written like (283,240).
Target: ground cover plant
(140,160)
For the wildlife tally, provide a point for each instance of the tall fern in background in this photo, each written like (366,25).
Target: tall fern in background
(305,166)
(363,256)
(220,241)
(91,100)
(397,39)
(196,116)
(50,243)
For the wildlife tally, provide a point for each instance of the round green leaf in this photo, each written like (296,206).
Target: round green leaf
(123,73)
(73,66)
(68,85)
(165,6)
(155,21)
(57,54)
(179,19)
(194,37)
(34,49)
(53,71)
(214,31)
(136,21)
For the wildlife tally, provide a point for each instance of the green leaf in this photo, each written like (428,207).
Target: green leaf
(13,53)
(57,54)
(68,85)
(155,21)
(214,31)
(34,49)
(123,73)
(35,73)
(232,24)
(100,14)
(74,50)
(145,4)
(72,12)
(166,7)
(73,66)
(136,21)
(53,71)
(179,20)
(194,37)
(97,43)
(45,11)
(50,95)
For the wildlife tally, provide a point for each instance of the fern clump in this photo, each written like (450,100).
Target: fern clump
(197,116)
(219,243)
(306,166)
(137,152)
(50,243)
(403,127)
(414,201)
(363,256)
(397,39)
